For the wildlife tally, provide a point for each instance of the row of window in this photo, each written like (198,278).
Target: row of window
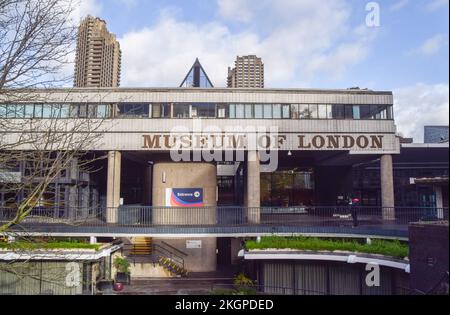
(197,110)
(55,111)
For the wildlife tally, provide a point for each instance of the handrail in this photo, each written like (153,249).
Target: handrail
(174,248)
(165,252)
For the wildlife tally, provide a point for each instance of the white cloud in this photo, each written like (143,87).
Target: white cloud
(431,46)
(296,39)
(237,10)
(85,7)
(434,5)
(420,105)
(397,6)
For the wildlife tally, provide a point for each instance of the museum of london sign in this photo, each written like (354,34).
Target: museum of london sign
(260,141)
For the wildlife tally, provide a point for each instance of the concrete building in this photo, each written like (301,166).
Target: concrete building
(248,72)
(177,156)
(98,55)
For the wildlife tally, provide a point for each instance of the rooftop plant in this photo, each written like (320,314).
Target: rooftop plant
(383,247)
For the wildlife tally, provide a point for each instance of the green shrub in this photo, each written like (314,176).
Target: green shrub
(382,247)
(122,265)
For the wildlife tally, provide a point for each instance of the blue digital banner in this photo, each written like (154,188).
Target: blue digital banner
(184,197)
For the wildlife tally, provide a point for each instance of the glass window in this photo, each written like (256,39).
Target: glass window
(259,114)
(11,111)
(322,110)
(133,110)
(3,110)
(29,111)
(303,111)
(248,111)
(232,111)
(38,110)
(203,110)
(383,111)
(329,111)
(286,111)
(338,111)
(102,111)
(277,111)
(313,111)
(160,110)
(365,112)
(222,111)
(65,111)
(181,110)
(47,111)
(20,109)
(240,111)
(295,111)
(356,112)
(373,111)
(348,111)
(83,110)
(57,110)
(390,112)
(267,111)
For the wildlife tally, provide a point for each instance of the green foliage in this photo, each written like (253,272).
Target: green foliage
(47,244)
(242,280)
(382,247)
(122,265)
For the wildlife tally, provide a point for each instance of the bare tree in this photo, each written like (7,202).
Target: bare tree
(37,38)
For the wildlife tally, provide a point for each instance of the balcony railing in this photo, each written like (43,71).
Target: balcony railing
(136,216)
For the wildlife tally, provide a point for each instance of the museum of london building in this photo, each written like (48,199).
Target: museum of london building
(170,151)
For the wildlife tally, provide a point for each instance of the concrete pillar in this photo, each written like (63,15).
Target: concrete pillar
(387,187)
(253,191)
(113,186)
(148,185)
(73,190)
(439,201)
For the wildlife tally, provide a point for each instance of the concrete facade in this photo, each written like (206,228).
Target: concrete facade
(113,186)
(184,175)
(98,55)
(387,187)
(253,195)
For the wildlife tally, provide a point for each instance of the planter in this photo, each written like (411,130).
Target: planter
(105,285)
(122,277)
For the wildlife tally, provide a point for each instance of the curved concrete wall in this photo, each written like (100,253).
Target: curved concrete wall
(184,175)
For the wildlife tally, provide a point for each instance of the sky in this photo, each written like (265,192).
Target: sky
(395,45)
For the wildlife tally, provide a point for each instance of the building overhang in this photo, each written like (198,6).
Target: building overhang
(350,258)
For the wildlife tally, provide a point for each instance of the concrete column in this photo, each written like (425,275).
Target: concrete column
(253,198)
(387,187)
(113,186)
(73,190)
(439,201)
(148,185)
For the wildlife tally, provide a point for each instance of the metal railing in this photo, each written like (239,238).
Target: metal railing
(156,252)
(136,216)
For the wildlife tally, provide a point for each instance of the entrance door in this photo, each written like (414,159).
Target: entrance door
(223,251)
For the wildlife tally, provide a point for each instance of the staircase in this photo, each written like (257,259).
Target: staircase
(141,246)
(173,267)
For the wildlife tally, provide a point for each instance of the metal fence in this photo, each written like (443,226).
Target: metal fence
(137,216)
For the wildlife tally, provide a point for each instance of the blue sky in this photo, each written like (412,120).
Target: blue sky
(304,43)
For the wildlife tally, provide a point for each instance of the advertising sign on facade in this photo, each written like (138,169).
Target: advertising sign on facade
(193,244)
(184,197)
